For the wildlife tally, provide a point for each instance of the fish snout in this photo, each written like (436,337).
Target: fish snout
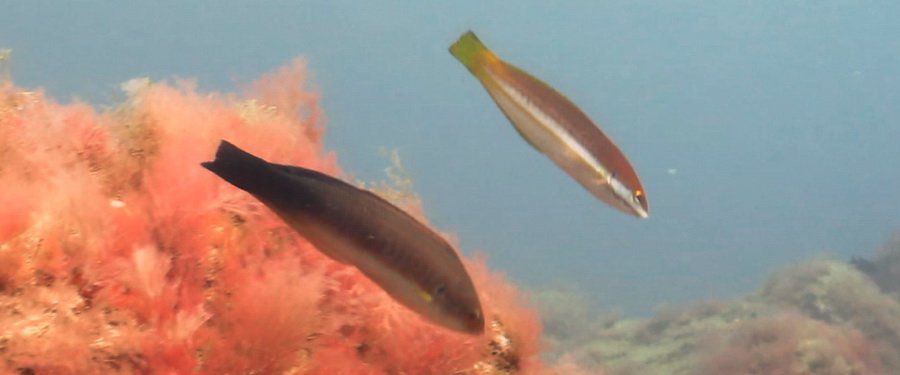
(642,209)
(464,314)
(474,322)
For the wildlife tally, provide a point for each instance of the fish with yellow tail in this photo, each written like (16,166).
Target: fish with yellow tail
(556,127)
(412,263)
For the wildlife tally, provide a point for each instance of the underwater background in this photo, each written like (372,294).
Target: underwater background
(765,133)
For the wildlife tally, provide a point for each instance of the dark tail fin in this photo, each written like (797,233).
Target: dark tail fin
(244,170)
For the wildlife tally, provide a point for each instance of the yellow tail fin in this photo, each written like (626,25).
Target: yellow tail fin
(467,48)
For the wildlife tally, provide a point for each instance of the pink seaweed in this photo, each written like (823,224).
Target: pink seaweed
(120,254)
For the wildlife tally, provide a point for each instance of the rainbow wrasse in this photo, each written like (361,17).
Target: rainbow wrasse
(556,127)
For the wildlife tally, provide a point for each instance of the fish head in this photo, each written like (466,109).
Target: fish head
(639,203)
(457,307)
(629,197)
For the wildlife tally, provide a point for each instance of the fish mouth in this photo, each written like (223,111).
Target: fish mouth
(640,212)
(635,208)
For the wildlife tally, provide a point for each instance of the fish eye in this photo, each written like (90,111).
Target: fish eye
(637,196)
(439,291)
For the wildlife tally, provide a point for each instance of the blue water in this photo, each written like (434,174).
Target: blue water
(765,132)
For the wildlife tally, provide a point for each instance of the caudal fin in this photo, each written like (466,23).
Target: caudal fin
(467,49)
(242,169)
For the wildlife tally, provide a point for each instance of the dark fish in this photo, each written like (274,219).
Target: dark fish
(556,127)
(412,263)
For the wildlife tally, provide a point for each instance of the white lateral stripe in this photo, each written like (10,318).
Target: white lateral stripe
(551,125)
(619,189)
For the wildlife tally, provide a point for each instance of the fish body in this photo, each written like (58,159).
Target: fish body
(556,127)
(412,263)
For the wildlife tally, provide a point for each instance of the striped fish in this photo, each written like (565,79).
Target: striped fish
(556,127)
(412,263)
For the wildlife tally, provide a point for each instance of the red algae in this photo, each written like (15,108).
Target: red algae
(120,254)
